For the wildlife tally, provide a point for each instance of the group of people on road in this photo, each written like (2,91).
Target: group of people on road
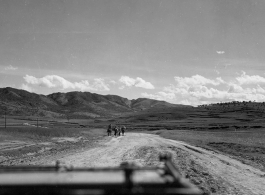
(117,130)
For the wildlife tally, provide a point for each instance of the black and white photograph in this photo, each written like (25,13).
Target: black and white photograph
(137,97)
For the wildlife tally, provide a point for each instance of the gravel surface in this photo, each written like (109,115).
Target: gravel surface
(212,172)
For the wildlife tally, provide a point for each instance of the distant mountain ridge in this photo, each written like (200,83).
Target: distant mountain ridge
(72,104)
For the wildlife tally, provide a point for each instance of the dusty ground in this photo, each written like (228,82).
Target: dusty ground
(247,146)
(21,145)
(214,173)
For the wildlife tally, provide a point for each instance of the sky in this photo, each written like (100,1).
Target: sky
(184,52)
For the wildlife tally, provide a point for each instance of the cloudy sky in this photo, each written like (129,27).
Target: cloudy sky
(184,52)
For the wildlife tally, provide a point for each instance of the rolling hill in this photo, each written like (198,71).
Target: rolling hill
(73,104)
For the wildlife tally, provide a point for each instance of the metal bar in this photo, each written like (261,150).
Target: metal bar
(176,185)
(172,170)
(67,168)
(103,189)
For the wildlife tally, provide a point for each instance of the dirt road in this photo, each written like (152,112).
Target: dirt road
(214,173)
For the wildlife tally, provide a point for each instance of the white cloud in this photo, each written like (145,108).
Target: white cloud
(10,67)
(220,52)
(31,79)
(234,88)
(138,82)
(196,80)
(152,96)
(127,81)
(100,85)
(26,87)
(113,82)
(245,79)
(51,81)
(217,72)
(142,83)
(185,102)
(197,90)
(55,81)
(167,95)
(159,96)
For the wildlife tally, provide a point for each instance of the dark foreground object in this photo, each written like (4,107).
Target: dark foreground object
(126,179)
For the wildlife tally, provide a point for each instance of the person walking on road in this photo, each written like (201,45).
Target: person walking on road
(119,131)
(115,131)
(109,130)
(123,130)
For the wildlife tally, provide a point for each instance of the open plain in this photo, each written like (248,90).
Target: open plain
(218,161)
(186,78)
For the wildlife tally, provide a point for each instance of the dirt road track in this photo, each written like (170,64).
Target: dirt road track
(213,172)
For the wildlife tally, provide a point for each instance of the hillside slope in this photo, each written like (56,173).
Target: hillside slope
(73,104)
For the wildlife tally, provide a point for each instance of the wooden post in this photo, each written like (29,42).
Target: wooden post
(5,119)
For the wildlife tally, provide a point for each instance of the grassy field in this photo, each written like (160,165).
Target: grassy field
(237,130)
(244,145)
(234,129)
(22,140)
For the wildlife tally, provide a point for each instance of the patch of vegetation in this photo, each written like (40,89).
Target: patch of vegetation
(252,154)
(21,144)
(244,145)
(40,133)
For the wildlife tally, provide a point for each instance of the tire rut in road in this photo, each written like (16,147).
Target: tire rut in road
(212,172)
(237,178)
